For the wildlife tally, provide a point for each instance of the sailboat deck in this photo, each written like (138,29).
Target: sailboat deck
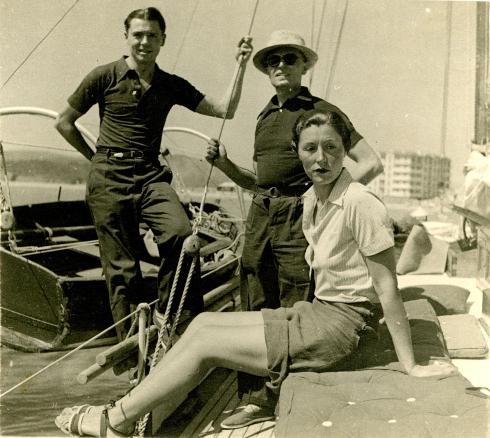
(221,405)
(213,401)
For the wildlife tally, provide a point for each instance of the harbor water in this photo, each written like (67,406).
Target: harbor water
(30,409)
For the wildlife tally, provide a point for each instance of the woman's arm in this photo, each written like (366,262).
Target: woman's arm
(382,270)
(381,267)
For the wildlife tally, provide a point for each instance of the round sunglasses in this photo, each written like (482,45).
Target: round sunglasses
(274,60)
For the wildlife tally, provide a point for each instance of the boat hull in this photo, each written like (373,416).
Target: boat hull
(54,296)
(42,310)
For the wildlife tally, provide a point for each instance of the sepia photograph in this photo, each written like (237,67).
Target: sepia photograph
(245,218)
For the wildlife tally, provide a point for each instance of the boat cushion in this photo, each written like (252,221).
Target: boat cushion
(380,401)
(427,338)
(463,336)
(446,299)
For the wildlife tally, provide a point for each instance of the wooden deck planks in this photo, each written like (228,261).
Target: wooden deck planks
(206,423)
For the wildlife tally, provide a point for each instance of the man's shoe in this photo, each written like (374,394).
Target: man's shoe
(247,415)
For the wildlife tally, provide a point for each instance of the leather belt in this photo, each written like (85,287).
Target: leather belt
(130,153)
(286,191)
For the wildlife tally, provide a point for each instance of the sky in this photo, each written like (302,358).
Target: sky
(389,74)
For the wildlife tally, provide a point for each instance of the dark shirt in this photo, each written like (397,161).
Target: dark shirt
(278,165)
(129,117)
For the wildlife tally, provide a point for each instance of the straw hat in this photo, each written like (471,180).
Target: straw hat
(284,38)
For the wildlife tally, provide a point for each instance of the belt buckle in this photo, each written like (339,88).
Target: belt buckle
(137,154)
(274,192)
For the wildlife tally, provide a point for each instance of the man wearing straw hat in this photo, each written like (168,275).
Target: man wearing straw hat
(274,270)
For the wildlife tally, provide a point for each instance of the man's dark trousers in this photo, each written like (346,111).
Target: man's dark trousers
(274,271)
(122,192)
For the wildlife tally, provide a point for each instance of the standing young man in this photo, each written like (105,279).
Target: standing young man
(274,270)
(127,184)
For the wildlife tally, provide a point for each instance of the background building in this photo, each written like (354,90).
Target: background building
(412,175)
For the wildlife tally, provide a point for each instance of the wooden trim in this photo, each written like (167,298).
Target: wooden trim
(471,215)
(212,408)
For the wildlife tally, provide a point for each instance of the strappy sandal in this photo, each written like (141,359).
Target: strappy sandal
(105,424)
(70,419)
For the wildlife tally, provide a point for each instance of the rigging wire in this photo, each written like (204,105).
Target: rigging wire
(141,425)
(179,52)
(312,35)
(39,43)
(335,57)
(320,26)
(24,315)
(316,45)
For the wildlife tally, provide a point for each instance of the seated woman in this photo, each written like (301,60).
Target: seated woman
(351,254)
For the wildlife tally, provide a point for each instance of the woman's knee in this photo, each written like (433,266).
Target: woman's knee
(199,344)
(201,324)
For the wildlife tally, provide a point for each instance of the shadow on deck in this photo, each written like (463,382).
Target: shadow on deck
(206,407)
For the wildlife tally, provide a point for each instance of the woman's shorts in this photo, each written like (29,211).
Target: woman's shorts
(315,336)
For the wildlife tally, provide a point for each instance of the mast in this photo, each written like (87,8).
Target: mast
(449,17)
(482,82)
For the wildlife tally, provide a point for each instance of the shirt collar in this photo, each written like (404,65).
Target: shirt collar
(340,188)
(122,69)
(304,95)
(338,191)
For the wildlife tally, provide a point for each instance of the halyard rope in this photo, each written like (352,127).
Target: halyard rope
(237,71)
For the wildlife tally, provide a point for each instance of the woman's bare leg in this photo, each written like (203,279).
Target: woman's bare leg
(228,340)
